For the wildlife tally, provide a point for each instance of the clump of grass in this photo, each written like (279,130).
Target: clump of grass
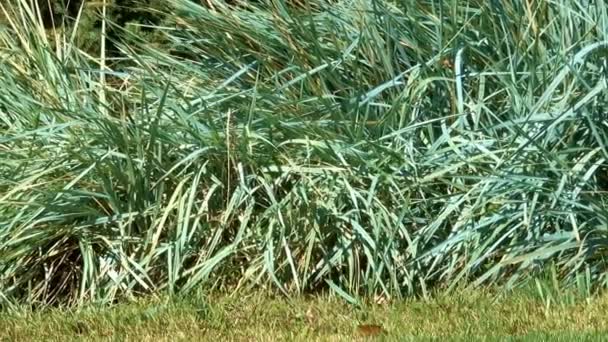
(371,147)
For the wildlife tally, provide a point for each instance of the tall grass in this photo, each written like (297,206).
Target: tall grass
(370,147)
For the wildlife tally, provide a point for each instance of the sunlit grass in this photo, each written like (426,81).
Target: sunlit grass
(368,147)
(462,316)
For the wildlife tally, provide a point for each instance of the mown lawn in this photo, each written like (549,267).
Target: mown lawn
(462,316)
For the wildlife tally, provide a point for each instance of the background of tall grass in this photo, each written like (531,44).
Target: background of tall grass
(372,147)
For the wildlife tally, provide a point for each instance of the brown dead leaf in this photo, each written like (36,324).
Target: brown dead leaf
(370,330)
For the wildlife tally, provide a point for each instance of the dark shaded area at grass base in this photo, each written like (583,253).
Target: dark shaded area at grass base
(462,316)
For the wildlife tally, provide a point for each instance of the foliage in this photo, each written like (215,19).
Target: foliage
(367,146)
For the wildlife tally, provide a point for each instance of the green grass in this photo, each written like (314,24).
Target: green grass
(461,316)
(368,147)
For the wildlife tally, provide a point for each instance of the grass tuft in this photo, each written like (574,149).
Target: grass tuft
(377,147)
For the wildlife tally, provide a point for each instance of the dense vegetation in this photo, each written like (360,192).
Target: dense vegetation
(368,146)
